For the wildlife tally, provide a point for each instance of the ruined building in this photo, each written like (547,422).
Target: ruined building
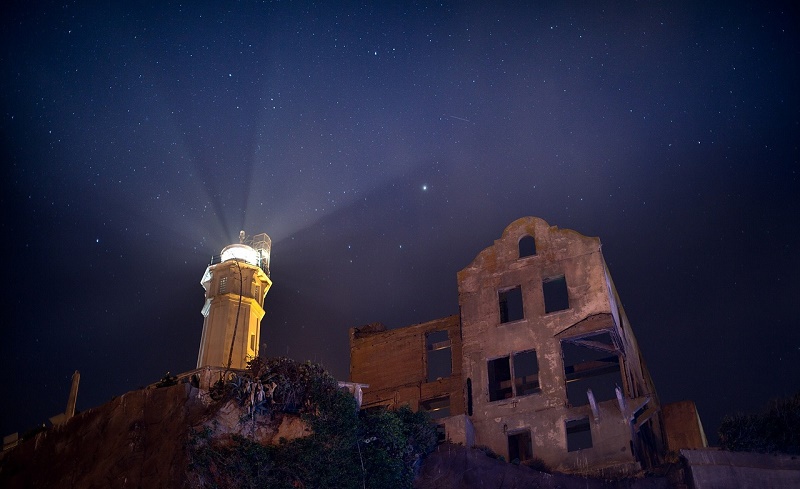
(541,361)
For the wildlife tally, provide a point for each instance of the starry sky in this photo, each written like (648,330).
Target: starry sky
(382,147)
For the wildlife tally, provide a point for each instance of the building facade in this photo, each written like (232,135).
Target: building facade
(549,366)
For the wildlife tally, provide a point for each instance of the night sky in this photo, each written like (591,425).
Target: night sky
(382,148)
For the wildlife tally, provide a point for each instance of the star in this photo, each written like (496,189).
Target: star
(180,154)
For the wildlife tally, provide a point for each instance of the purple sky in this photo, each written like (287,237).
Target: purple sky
(382,148)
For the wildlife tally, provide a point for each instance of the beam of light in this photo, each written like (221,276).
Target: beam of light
(289,192)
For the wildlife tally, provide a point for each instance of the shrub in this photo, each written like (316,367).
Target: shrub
(167,380)
(346,449)
(537,464)
(488,451)
(775,429)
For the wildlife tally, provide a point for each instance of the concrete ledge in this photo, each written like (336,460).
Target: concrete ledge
(712,469)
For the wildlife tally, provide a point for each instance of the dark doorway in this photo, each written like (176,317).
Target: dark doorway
(519,446)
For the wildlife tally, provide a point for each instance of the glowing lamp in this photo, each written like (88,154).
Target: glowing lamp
(240,252)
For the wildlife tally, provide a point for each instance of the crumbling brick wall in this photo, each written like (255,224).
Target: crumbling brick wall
(396,364)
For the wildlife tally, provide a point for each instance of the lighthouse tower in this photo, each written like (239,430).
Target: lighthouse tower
(236,283)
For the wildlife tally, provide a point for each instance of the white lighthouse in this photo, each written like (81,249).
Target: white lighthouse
(236,283)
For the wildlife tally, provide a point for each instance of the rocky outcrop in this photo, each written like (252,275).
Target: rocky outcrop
(142,439)
(136,440)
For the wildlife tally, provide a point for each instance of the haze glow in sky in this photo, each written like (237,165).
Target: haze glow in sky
(382,148)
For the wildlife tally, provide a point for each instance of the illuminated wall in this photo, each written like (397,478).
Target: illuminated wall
(234,289)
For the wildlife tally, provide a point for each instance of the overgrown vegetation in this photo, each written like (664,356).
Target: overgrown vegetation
(346,449)
(775,429)
(534,463)
(538,464)
(167,380)
(490,453)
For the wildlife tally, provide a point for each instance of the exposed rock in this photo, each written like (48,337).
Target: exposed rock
(136,440)
(139,440)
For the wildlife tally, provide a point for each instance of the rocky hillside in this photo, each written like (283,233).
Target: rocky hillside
(278,424)
(179,437)
(135,440)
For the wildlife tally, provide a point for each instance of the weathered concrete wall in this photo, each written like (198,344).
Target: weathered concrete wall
(593,307)
(611,435)
(459,430)
(719,469)
(682,426)
(394,365)
(457,467)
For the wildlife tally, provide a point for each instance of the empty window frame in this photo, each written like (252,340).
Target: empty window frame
(523,367)
(499,379)
(527,246)
(437,408)
(591,362)
(510,301)
(252,342)
(519,446)
(555,294)
(526,373)
(438,355)
(579,434)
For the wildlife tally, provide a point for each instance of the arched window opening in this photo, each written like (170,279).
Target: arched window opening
(527,246)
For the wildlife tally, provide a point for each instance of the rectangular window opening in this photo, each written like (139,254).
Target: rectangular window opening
(437,408)
(579,434)
(223,285)
(253,342)
(591,362)
(519,446)
(525,368)
(499,379)
(438,355)
(556,297)
(510,301)
(526,373)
